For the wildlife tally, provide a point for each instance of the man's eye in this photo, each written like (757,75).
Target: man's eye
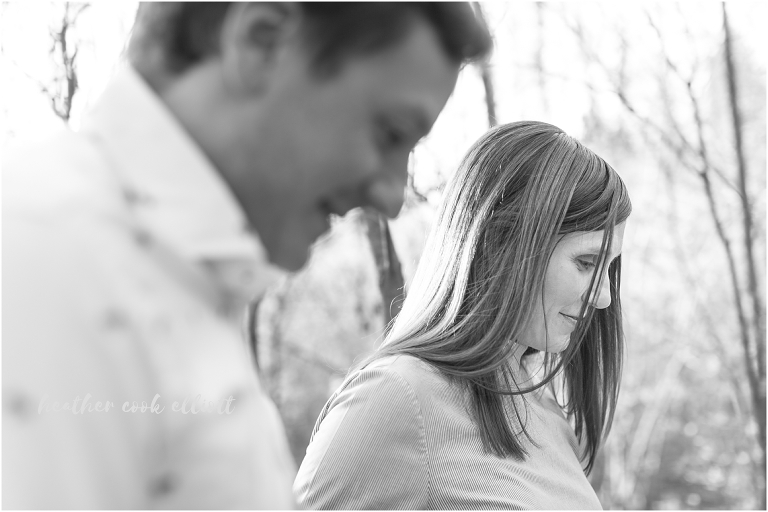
(392,137)
(394,134)
(395,138)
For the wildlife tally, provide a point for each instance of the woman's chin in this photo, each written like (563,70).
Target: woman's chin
(559,344)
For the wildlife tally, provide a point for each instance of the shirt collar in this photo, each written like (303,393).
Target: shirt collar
(177,193)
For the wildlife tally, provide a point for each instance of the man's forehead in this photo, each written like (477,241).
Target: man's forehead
(407,83)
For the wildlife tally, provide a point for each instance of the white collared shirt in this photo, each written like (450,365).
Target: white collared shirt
(126,265)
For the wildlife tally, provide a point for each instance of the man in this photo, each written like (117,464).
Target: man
(131,247)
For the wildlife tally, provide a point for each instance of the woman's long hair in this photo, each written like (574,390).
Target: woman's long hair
(519,188)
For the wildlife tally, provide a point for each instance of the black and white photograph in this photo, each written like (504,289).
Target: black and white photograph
(503,255)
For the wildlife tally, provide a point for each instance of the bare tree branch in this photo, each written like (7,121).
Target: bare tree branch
(757,382)
(734,375)
(693,154)
(67,82)
(688,84)
(737,293)
(617,87)
(757,303)
(702,172)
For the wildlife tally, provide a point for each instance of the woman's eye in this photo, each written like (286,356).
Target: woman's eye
(586,265)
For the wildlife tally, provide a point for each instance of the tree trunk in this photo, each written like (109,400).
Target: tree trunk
(391,282)
(757,385)
(487,77)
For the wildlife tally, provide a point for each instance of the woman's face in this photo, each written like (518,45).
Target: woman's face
(566,283)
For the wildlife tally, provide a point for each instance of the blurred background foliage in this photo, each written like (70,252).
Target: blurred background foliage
(673,96)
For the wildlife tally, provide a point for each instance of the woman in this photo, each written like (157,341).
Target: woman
(515,302)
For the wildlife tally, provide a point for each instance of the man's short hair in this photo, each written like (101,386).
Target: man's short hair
(188,32)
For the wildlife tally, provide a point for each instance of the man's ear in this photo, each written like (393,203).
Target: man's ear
(252,36)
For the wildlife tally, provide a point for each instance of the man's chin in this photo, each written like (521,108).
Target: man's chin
(290,259)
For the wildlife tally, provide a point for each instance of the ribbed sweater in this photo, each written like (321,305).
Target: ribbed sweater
(399,434)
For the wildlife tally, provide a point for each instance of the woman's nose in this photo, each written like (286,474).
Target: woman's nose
(601,296)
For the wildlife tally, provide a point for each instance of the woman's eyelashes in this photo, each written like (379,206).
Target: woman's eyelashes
(589,262)
(586,262)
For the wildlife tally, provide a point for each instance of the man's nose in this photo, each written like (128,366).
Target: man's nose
(387,192)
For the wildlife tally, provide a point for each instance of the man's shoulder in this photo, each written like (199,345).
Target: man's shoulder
(61,207)
(33,154)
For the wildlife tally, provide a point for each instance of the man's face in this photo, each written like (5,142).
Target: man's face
(311,147)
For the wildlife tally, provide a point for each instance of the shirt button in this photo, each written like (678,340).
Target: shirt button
(162,486)
(142,238)
(17,404)
(135,198)
(115,319)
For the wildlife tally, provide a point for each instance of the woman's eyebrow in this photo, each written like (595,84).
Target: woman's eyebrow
(595,251)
